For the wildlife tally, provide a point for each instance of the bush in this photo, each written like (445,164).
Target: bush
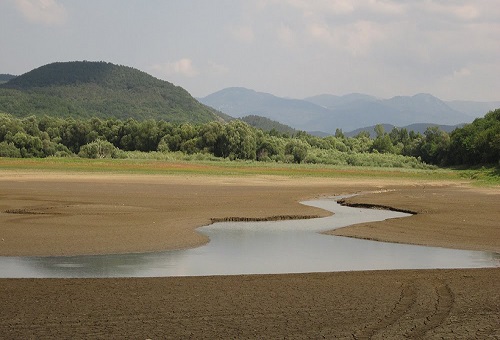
(99,149)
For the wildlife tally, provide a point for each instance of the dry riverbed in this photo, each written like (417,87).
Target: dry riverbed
(49,213)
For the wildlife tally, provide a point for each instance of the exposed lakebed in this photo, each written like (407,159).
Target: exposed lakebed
(292,246)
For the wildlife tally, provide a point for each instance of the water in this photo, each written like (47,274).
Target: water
(262,248)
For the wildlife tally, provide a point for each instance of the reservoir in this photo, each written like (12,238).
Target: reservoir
(235,248)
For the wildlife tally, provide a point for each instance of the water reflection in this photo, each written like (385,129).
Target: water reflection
(261,248)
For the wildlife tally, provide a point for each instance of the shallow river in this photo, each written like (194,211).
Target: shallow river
(262,248)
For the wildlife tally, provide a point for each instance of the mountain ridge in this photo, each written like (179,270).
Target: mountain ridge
(348,112)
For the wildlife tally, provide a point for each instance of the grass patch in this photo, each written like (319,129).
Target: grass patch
(221,168)
(488,175)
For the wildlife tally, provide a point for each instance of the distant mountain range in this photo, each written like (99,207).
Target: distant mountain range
(326,113)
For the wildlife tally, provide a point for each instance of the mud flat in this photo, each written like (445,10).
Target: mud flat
(64,214)
(381,304)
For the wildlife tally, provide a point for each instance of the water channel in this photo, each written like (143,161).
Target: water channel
(295,246)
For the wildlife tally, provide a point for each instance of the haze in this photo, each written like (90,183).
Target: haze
(291,48)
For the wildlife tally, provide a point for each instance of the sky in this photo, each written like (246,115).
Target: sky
(290,48)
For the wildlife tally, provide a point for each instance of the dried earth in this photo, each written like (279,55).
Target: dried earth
(48,213)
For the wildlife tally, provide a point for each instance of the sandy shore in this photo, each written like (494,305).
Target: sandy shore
(56,213)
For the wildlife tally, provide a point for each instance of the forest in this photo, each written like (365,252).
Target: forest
(47,136)
(99,89)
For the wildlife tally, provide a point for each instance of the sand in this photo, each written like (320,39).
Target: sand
(47,213)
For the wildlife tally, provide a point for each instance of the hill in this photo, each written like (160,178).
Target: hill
(6,77)
(326,113)
(84,89)
(267,124)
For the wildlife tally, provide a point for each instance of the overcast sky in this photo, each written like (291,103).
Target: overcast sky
(290,48)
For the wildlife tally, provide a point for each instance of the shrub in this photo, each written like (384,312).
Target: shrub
(99,149)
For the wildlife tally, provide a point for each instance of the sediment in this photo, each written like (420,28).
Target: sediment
(94,214)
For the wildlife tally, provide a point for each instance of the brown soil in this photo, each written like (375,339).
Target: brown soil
(53,214)
(447,304)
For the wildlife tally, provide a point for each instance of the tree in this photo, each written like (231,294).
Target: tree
(339,133)
(435,146)
(382,144)
(238,141)
(268,147)
(379,130)
(297,149)
(9,150)
(74,134)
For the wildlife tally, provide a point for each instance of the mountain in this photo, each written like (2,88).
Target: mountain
(331,101)
(87,89)
(239,102)
(399,111)
(325,113)
(423,108)
(473,108)
(6,77)
(420,128)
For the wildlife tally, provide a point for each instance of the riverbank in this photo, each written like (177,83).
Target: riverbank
(51,213)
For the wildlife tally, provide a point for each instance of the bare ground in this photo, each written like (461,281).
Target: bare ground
(51,213)
(448,304)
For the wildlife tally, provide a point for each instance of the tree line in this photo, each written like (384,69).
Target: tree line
(475,143)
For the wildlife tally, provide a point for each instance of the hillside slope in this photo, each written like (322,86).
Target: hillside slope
(99,89)
(6,77)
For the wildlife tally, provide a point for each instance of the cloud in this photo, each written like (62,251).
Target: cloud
(47,12)
(217,69)
(463,72)
(357,38)
(285,35)
(182,67)
(460,12)
(322,6)
(243,34)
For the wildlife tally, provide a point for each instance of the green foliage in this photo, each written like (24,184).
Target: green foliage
(236,140)
(434,147)
(100,149)
(270,148)
(297,149)
(99,89)
(8,149)
(6,77)
(268,125)
(484,175)
(478,142)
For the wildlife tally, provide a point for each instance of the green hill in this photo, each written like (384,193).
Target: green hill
(6,77)
(83,89)
(267,124)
